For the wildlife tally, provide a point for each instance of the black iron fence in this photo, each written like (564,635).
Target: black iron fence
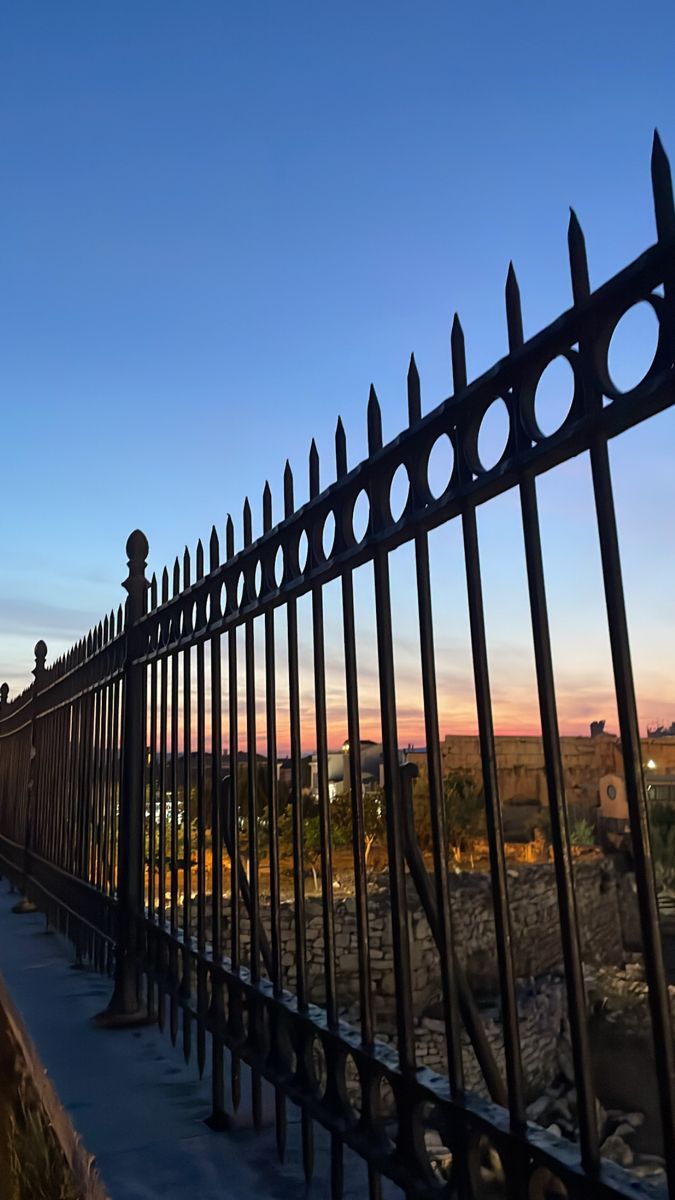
(125,815)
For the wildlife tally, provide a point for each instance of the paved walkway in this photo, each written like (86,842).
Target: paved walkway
(138,1108)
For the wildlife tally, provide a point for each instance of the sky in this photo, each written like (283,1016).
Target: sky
(221,223)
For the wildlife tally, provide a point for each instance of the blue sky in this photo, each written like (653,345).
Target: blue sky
(221,222)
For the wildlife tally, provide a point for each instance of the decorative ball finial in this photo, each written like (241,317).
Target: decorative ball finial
(40,653)
(137,552)
(4,693)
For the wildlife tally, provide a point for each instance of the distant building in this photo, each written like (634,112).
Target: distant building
(372,770)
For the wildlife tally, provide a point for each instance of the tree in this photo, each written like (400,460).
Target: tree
(464,808)
(464,813)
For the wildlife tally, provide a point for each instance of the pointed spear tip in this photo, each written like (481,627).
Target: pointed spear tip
(372,394)
(512,279)
(574,225)
(657,147)
(339,427)
(456,325)
(412,365)
(267,491)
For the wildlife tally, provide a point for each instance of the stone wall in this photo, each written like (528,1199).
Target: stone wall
(535,927)
(520,764)
(537,949)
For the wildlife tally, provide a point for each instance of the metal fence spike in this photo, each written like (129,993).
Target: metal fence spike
(199,560)
(578,261)
(214,549)
(340,449)
(288,490)
(314,485)
(514,315)
(267,507)
(458,352)
(662,187)
(248,523)
(229,537)
(374,421)
(414,393)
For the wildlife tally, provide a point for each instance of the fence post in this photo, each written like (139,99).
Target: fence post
(4,693)
(126,1006)
(25,905)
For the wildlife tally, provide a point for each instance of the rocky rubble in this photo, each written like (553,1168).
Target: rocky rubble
(556,1111)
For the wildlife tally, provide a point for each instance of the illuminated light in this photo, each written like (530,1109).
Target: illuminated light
(651,765)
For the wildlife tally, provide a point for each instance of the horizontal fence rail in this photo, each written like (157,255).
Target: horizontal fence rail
(137,811)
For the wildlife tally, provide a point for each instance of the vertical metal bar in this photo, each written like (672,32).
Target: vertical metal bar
(514,1073)
(115,809)
(555,779)
(500,898)
(152,794)
(296,775)
(322,771)
(637,801)
(397,877)
(175,784)
(233,816)
(622,667)
(306,1128)
(392,787)
(218,1118)
(163,759)
(107,795)
(186,977)
(252,777)
(201,857)
(355,779)
(435,776)
(569,924)
(254,884)
(272,787)
(125,1002)
(273,822)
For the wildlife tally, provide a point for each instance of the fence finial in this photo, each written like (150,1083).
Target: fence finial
(340,449)
(267,507)
(458,353)
(288,490)
(214,549)
(662,187)
(199,560)
(374,421)
(40,657)
(414,393)
(576,243)
(514,315)
(314,485)
(229,537)
(4,693)
(247,522)
(136,585)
